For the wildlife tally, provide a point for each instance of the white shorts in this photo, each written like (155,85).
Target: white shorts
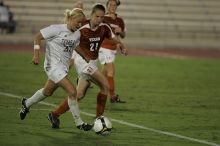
(106,55)
(57,73)
(83,68)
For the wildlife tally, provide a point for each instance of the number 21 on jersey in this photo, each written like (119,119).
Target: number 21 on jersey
(94,46)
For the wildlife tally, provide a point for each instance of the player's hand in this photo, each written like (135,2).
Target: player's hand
(124,51)
(122,48)
(118,30)
(35,60)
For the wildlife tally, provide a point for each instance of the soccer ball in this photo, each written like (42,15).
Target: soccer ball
(102,125)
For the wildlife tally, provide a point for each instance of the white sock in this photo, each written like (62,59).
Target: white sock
(74,108)
(37,97)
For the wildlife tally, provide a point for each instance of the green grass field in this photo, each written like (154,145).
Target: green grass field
(177,96)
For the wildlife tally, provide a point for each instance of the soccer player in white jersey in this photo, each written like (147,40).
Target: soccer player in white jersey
(61,39)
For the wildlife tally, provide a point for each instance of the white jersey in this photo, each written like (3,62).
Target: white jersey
(60,43)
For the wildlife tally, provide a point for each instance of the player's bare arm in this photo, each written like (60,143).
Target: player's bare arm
(120,45)
(37,41)
(119,31)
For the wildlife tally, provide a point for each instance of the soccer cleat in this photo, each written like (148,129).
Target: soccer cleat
(85,127)
(55,122)
(24,110)
(116,99)
(77,80)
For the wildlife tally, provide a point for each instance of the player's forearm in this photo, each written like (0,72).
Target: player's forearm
(120,45)
(36,53)
(37,39)
(117,40)
(37,42)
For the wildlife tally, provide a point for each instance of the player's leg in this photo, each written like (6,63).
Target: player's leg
(73,103)
(53,116)
(62,108)
(89,70)
(109,70)
(107,59)
(101,81)
(82,88)
(41,94)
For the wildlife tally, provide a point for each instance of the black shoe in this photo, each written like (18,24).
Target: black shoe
(77,80)
(24,110)
(85,127)
(55,122)
(116,99)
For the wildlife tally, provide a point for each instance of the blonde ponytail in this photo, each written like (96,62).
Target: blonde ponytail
(76,12)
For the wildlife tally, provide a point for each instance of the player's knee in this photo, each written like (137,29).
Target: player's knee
(47,93)
(105,88)
(80,95)
(110,73)
(72,94)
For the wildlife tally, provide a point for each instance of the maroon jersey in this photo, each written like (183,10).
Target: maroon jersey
(117,22)
(91,40)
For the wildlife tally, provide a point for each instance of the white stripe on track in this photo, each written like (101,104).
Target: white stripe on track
(129,124)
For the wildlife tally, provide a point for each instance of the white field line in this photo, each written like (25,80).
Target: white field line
(32,109)
(129,124)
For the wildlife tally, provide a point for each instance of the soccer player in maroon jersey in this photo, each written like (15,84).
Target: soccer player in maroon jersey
(108,50)
(93,32)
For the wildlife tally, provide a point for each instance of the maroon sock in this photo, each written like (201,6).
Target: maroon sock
(62,108)
(101,101)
